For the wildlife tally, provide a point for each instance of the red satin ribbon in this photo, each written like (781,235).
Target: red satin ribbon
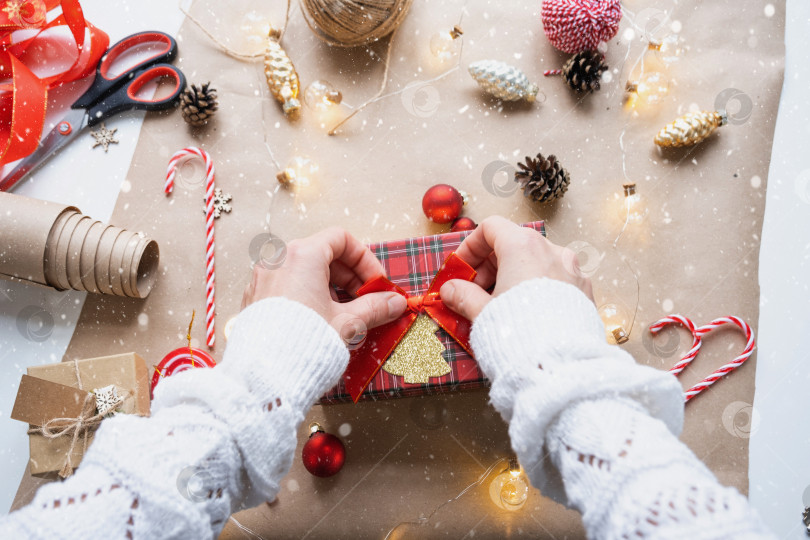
(380,342)
(24,101)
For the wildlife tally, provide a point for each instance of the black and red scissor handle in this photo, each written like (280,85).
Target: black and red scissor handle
(110,95)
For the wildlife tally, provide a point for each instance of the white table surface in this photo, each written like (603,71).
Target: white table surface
(36,324)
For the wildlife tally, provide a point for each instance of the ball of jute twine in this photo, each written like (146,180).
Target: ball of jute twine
(349,23)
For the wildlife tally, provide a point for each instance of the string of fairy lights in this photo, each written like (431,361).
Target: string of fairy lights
(647,85)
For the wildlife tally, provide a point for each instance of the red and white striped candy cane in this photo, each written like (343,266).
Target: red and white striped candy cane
(174,162)
(696,342)
(731,366)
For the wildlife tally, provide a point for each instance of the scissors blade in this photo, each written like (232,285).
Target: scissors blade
(76,119)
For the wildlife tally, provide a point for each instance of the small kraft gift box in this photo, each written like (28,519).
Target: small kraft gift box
(426,351)
(64,404)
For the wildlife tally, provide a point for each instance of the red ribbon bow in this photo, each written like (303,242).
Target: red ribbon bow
(23,102)
(380,342)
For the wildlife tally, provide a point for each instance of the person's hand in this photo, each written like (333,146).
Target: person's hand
(310,264)
(506,254)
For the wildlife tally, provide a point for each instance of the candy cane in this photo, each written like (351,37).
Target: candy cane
(174,162)
(696,342)
(731,366)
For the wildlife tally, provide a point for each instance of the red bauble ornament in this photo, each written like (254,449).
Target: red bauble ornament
(463,224)
(442,203)
(323,453)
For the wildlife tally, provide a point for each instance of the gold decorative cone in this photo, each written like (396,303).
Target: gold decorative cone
(690,129)
(281,75)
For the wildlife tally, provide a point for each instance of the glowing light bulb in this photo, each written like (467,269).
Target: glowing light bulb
(615,320)
(634,210)
(321,95)
(510,489)
(445,45)
(300,173)
(668,50)
(324,100)
(254,28)
(650,89)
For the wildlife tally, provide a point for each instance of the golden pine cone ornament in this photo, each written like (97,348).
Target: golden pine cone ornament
(281,75)
(690,129)
(503,81)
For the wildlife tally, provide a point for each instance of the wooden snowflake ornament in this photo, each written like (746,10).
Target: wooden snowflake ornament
(221,203)
(104,137)
(107,399)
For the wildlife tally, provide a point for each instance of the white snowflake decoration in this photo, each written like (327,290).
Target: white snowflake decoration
(104,137)
(107,399)
(221,201)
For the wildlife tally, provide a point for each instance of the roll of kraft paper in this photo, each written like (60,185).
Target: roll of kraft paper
(56,245)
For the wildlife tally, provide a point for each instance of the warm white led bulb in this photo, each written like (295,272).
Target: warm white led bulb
(254,28)
(650,89)
(321,95)
(668,50)
(634,208)
(445,45)
(510,489)
(300,173)
(615,321)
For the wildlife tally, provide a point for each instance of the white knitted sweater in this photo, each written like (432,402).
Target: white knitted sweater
(222,439)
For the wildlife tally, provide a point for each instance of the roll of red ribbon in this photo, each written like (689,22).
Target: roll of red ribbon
(23,94)
(179,360)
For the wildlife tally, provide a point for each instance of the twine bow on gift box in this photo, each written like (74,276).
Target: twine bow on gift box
(96,406)
(82,425)
(367,359)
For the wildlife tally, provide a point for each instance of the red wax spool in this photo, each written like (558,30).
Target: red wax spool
(442,203)
(323,454)
(179,360)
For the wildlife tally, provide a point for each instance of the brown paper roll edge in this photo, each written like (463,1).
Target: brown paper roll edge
(29,229)
(26,228)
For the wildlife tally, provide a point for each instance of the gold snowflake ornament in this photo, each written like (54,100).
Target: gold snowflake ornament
(418,357)
(104,137)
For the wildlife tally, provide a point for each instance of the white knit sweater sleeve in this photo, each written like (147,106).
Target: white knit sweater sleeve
(218,439)
(593,429)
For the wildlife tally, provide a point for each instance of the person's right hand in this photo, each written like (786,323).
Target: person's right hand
(506,254)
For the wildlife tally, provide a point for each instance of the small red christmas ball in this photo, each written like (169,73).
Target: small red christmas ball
(323,453)
(463,224)
(442,203)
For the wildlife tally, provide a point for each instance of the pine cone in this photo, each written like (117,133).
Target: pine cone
(542,179)
(198,103)
(583,71)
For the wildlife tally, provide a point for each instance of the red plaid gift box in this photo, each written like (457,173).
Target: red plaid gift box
(412,264)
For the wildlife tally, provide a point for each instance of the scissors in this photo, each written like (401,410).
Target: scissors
(108,96)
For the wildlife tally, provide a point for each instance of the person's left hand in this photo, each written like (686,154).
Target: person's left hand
(304,275)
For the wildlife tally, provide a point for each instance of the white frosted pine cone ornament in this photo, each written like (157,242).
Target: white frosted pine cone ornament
(503,81)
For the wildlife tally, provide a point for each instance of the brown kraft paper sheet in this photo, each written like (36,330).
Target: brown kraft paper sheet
(696,253)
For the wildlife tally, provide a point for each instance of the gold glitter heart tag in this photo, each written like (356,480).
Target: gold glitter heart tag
(418,357)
